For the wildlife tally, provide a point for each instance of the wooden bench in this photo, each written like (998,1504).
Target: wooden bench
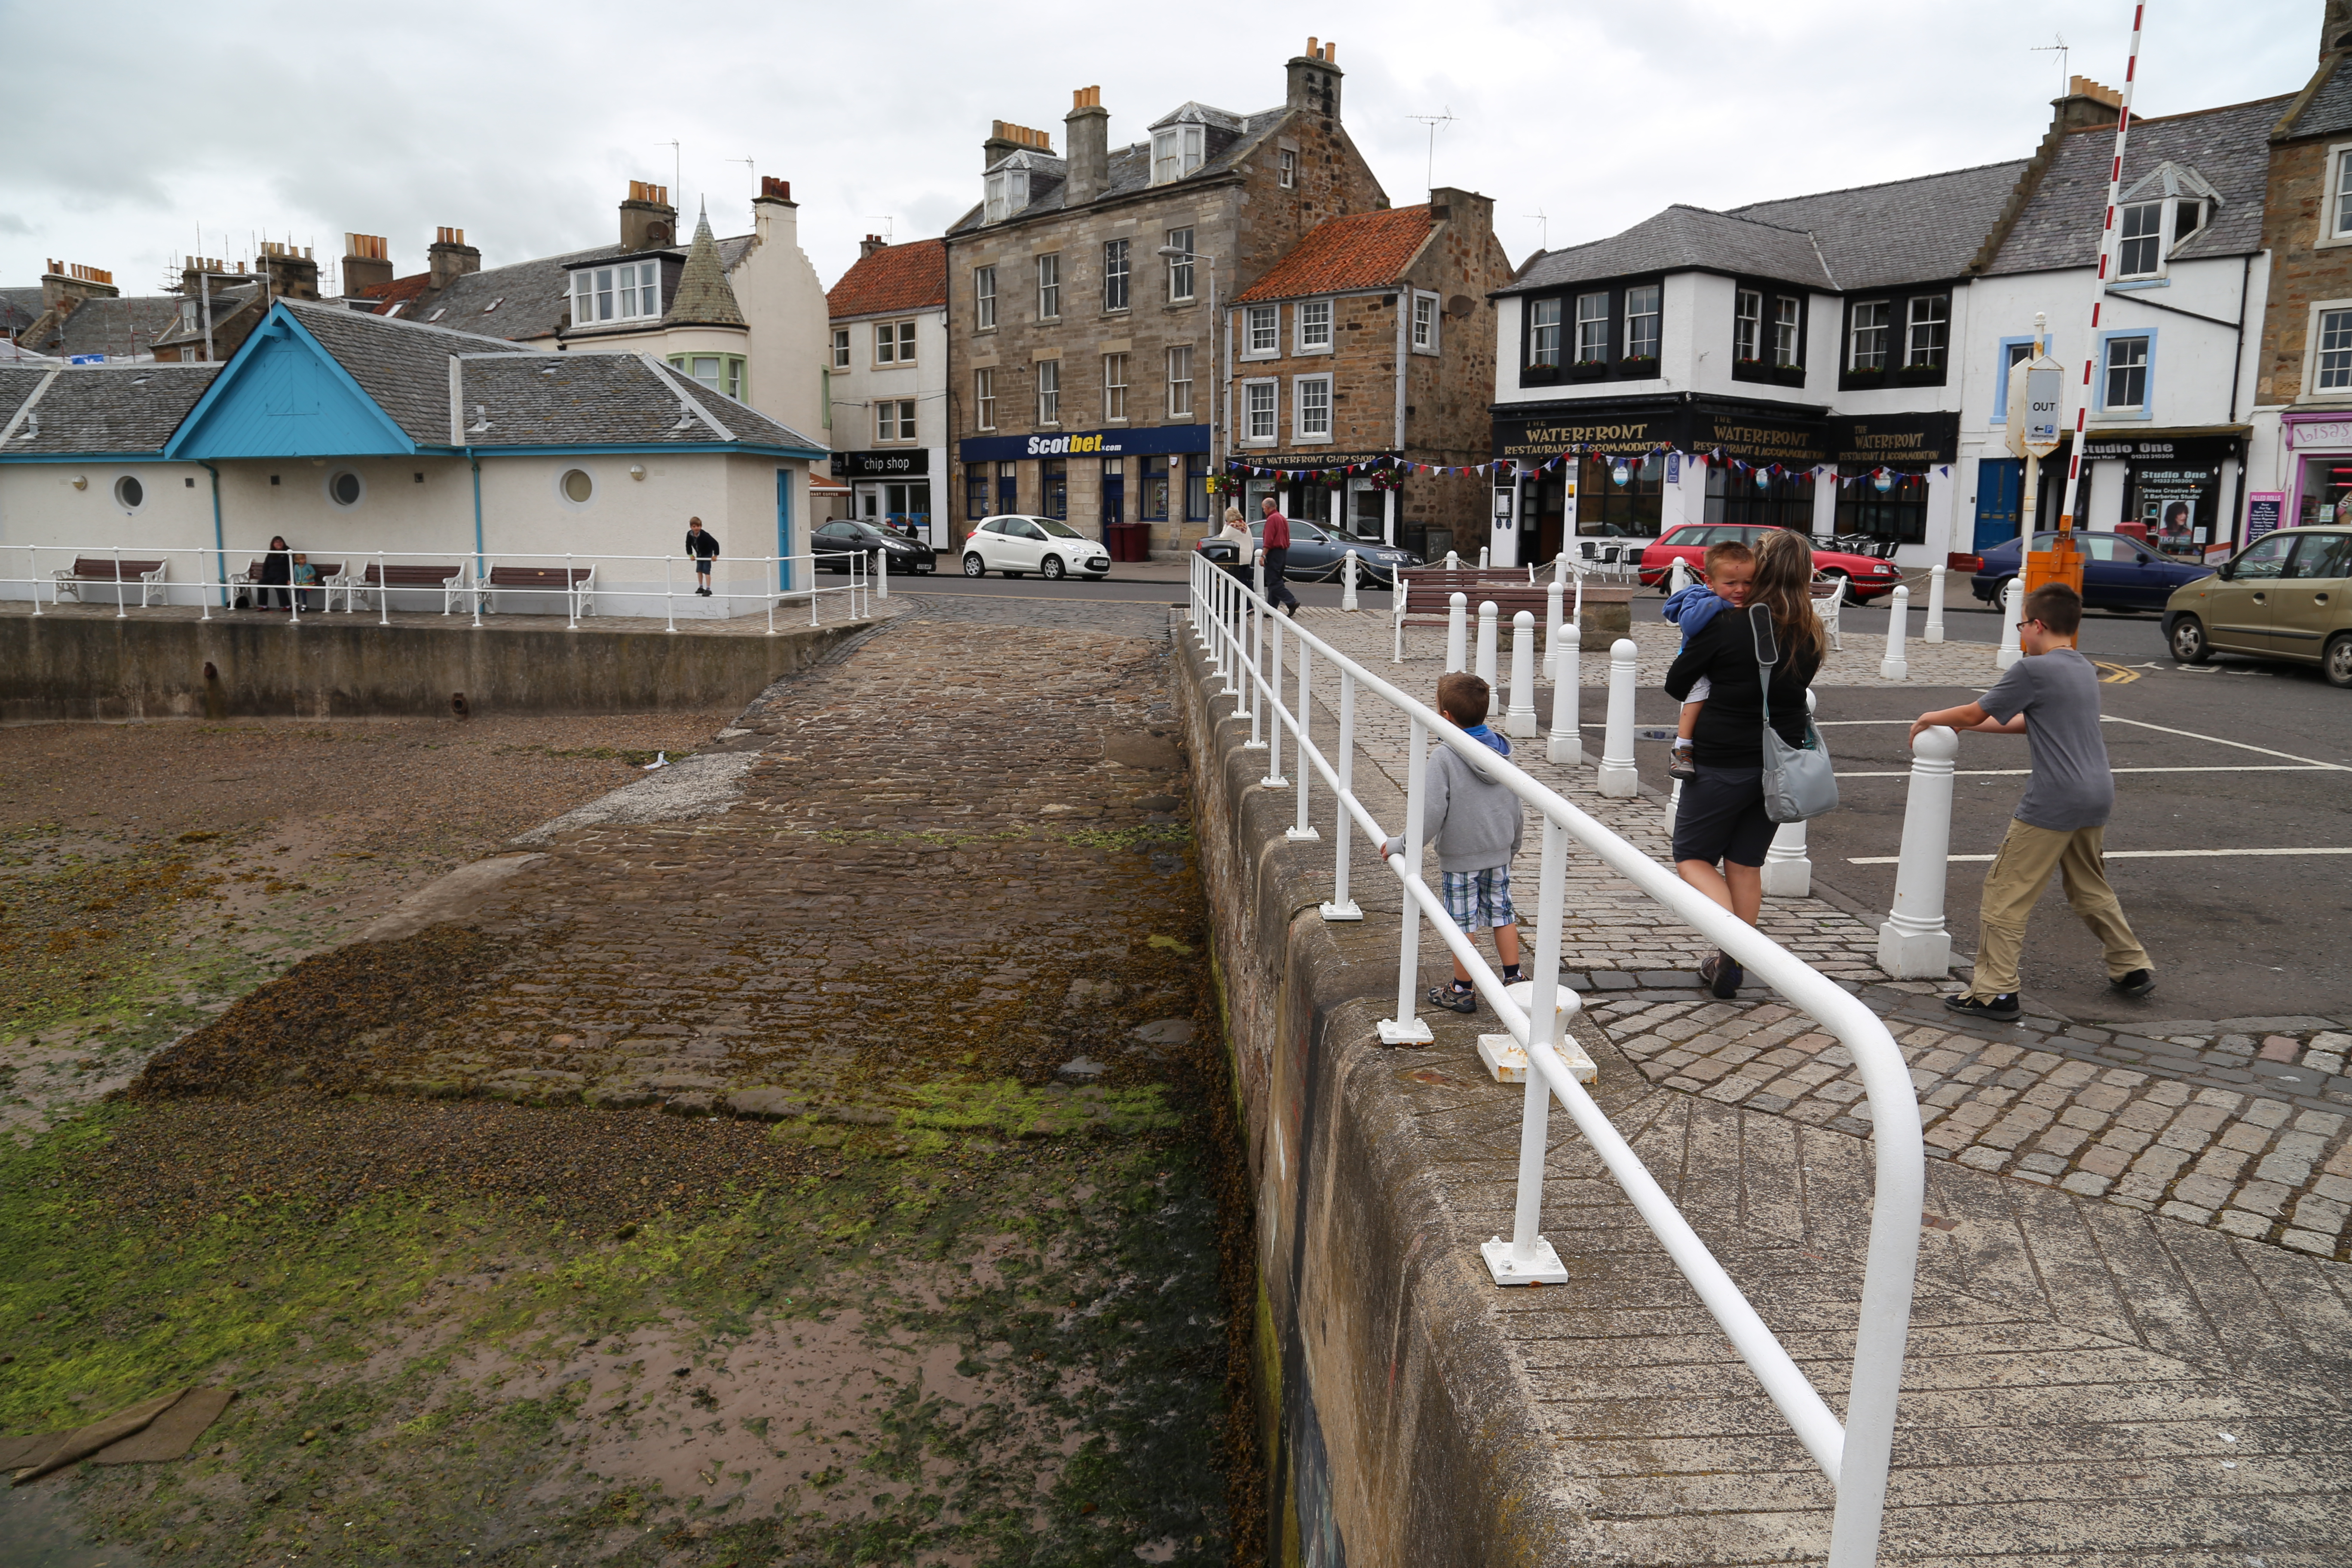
(576,583)
(1424,597)
(450,582)
(147,574)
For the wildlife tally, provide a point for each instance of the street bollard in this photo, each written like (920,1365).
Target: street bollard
(1617,775)
(1457,632)
(1348,593)
(1673,804)
(1894,667)
(1934,630)
(1788,869)
(2012,605)
(1482,558)
(1555,617)
(881,574)
(1678,577)
(1912,943)
(1486,671)
(1521,719)
(1452,561)
(1560,568)
(1566,746)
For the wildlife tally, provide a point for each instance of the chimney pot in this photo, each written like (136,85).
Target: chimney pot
(1314,81)
(773,189)
(449,257)
(647,220)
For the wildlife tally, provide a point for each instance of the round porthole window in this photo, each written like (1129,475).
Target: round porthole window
(345,488)
(129,493)
(579,487)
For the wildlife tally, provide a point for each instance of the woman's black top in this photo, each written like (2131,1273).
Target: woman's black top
(1731,730)
(278,566)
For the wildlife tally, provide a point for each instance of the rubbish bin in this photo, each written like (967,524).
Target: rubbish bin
(1129,541)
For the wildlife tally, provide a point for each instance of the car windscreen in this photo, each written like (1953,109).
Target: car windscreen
(1056,530)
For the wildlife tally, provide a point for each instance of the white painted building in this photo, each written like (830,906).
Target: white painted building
(887,385)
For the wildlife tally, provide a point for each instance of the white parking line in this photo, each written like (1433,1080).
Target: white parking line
(2120,854)
(2193,735)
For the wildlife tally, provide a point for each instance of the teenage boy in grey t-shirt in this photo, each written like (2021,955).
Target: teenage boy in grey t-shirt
(2051,698)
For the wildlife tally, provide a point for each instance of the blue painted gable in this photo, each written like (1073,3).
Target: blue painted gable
(282,396)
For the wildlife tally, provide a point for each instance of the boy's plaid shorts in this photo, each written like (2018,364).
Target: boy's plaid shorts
(1475,899)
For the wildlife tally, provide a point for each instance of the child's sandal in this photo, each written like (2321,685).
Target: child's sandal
(1456,1001)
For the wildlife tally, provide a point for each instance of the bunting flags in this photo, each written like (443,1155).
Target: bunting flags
(1503,467)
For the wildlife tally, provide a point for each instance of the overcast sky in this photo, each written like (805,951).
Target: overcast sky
(130,126)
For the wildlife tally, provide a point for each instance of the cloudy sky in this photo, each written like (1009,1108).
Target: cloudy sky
(130,130)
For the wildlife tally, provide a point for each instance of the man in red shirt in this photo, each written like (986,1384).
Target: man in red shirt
(1276,552)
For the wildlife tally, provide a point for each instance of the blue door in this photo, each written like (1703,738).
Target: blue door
(2000,487)
(783,529)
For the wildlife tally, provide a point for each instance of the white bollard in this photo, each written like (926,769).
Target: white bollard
(1673,804)
(1912,945)
(1566,747)
(1788,869)
(1521,719)
(2012,605)
(1452,561)
(1482,558)
(1555,617)
(1560,568)
(1935,632)
(1487,633)
(1894,667)
(882,574)
(1457,632)
(1617,775)
(1348,593)
(1679,577)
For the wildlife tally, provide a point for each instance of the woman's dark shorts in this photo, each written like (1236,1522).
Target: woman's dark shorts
(1722,817)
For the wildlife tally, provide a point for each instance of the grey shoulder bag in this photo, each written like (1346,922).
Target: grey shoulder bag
(1799,781)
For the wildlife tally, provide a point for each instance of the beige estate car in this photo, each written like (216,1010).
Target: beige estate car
(2286,595)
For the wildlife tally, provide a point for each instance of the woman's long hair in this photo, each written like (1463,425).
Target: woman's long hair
(1784,577)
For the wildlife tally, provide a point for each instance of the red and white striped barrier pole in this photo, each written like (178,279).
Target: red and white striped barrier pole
(2099,282)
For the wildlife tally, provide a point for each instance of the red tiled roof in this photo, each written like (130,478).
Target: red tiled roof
(895,278)
(1363,250)
(408,288)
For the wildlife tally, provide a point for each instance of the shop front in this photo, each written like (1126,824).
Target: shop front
(1342,502)
(2319,471)
(1156,476)
(2170,491)
(891,489)
(1887,466)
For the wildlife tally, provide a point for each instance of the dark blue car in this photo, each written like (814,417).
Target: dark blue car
(2119,572)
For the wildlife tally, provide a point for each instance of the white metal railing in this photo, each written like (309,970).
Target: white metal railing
(205,577)
(1232,622)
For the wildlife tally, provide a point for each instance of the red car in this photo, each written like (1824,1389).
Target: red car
(1867,577)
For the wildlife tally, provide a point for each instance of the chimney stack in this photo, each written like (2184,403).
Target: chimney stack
(1088,129)
(2335,27)
(2087,104)
(65,284)
(449,257)
(1006,139)
(870,244)
(1314,79)
(293,273)
(647,220)
(367,263)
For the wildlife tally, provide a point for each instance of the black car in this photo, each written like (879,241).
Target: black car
(1318,555)
(836,542)
(2119,572)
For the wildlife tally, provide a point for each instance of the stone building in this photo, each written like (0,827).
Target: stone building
(77,312)
(1372,339)
(1085,362)
(887,385)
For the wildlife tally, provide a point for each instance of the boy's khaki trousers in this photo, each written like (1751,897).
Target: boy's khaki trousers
(2020,872)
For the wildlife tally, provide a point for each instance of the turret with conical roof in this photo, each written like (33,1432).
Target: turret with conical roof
(703,297)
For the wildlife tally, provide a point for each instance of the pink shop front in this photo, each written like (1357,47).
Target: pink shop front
(2317,468)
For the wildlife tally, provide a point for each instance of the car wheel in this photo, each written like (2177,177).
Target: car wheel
(2337,663)
(2188,645)
(1053,569)
(973,566)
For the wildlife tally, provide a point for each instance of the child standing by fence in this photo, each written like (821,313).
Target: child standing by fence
(1476,825)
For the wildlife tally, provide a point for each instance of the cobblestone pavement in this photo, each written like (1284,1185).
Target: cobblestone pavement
(2235,1124)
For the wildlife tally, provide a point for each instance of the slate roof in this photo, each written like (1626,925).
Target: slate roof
(227,303)
(1681,239)
(533,297)
(115,326)
(1361,250)
(1226,139)
(2229,146)
(1905,231)
(404,365)
(702,297)
(907,277)
(19,309)
(592,399)
(96,409)
(2327,109)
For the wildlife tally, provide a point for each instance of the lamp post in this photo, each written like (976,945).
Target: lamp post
(1216,323)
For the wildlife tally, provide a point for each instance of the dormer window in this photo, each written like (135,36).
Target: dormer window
(1008,192)
(629,292)
(2141,254)
(1176,152)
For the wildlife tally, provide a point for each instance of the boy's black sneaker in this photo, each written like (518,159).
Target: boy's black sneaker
(1679,764)
(1456,1001)
(1722,976)
(2139,983)
(2002,1009)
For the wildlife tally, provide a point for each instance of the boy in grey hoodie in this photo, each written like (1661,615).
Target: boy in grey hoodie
(1476,825)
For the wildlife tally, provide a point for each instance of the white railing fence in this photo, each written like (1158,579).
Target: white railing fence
(1234,626)
(574,586)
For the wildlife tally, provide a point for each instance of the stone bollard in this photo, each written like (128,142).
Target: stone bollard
(1566,746)
(1894,667)
(1486,629)
(1348,592)
(1520,719)
(1934,630)
(1912,945)
(1617,775)
(1457,633)
(2012,605)
(1788,869)
(1555,617)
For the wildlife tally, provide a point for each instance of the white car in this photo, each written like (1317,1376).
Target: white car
(1016,545)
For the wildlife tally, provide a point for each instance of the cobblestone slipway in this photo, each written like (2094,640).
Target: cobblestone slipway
(2238,1123)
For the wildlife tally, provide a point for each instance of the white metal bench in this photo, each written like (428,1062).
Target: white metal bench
(1828,606)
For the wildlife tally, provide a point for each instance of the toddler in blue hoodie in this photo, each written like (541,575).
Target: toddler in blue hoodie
(1476,825)
(1728,572)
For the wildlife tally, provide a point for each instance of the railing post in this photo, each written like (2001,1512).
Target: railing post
(571,596)
(1529,1259)
(204,594)
(777,593)
(1253,656)
(1486,671)
(669,599)
(1555,617)
(1566,746)
(33,573)
(1934,631)
(1304,833)
(1912,943)
(1270,678)
(1457,632)
(2013,604)
(1342,907)
(1348,593)
(119,613)
(1406,1028)
(1894,667)
(1617,775)
(1788,870)
(383,592)
(1520,719)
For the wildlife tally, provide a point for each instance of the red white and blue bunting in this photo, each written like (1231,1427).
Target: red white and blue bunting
(1886,478)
